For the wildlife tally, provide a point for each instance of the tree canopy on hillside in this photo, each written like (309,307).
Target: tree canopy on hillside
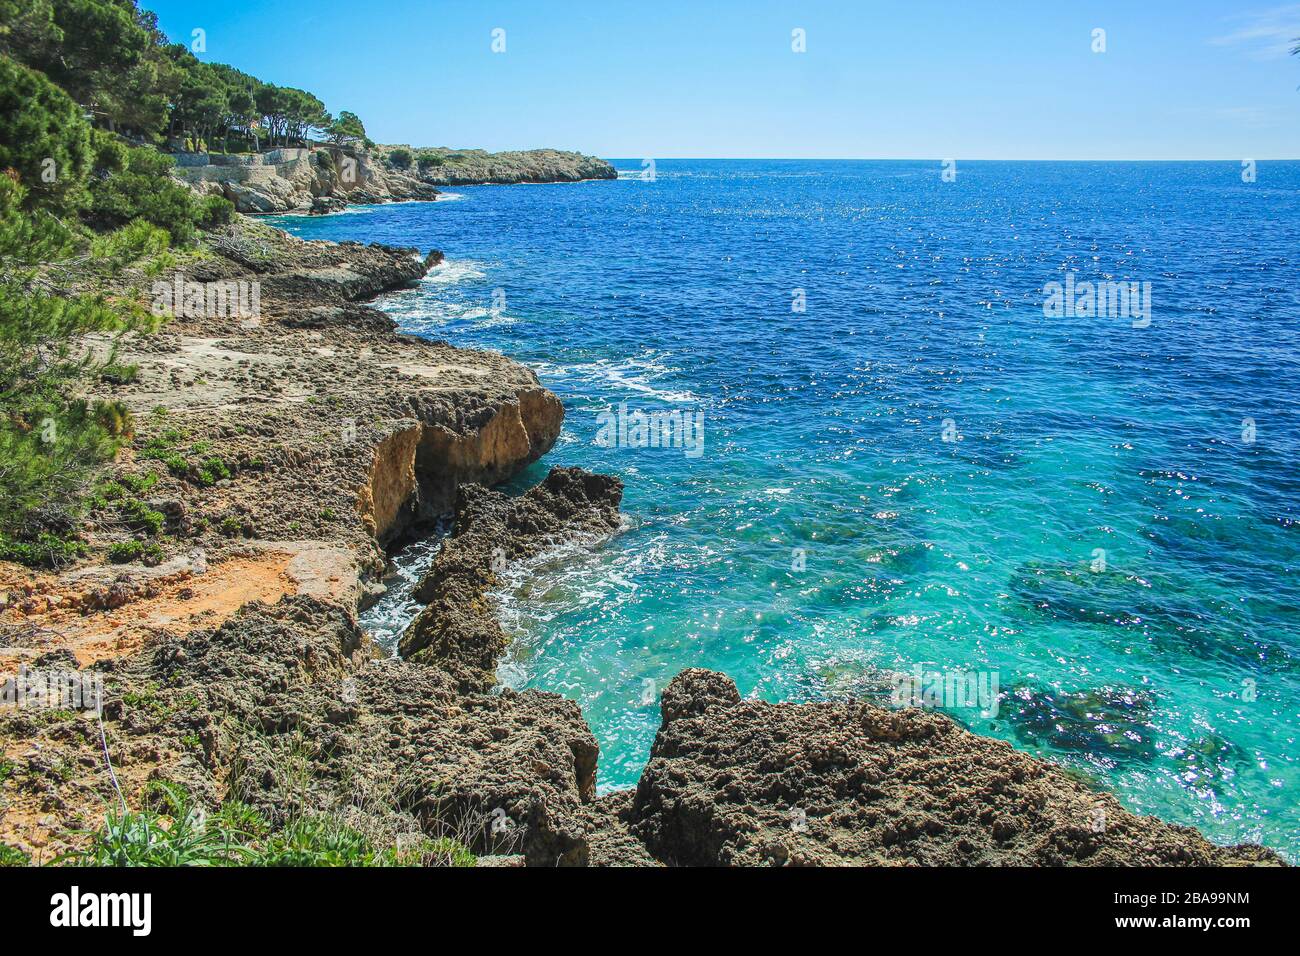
(114,62)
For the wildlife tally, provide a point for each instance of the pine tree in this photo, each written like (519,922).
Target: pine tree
(51,435)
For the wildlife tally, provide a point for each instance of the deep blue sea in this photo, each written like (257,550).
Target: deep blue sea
(905,463)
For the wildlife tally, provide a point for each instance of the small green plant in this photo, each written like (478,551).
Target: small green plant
(163,444)
(317,841)
(123,552)
(141,518)
(163,447)
(12,856)
(448,852)
(116,373)
(212,471)
(105,493)
(140,484)
(175,832)
(45,549)
(176,464)
(231,526)
(146,700)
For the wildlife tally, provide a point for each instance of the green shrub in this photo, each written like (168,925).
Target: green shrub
(448,852)
(179,835)
(44,138)
(144,189)
(112,491)
(122,552)
(140,484)
(212,471)
(400,158)
(110,152)
(215,211)
(316,841)
(138,243)
(44,549)
(141,518)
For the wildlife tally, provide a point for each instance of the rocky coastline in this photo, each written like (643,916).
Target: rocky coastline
(324,179)
(289,450)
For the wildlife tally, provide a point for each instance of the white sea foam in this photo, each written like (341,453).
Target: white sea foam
(451,271)
(636,374)
(396,609)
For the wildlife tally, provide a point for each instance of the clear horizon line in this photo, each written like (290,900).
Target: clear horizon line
(929,159)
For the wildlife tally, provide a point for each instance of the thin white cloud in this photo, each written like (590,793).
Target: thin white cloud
(1265,34)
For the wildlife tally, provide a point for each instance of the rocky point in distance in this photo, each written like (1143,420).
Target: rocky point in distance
(326,178)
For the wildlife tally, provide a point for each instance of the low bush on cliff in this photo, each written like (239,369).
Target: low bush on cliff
(141,188)
(215,211)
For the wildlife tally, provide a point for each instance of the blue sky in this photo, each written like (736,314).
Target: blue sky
(972,79)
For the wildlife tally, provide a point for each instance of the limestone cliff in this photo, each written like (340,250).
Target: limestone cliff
(325,179)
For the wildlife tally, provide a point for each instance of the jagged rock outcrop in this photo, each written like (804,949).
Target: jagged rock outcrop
(468,167)
(326,179)
(331,424)
(281,449)
(458,631)
(284,708)
(737,783)
(324,205)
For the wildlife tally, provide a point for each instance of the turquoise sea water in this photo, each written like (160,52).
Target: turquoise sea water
(1107,534)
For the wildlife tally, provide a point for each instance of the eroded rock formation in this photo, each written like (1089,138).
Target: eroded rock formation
(458,631)
(748,783)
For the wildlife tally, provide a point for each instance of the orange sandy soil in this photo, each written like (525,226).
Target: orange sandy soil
(45,612)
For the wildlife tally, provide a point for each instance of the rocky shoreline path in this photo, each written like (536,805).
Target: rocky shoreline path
(283,453)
